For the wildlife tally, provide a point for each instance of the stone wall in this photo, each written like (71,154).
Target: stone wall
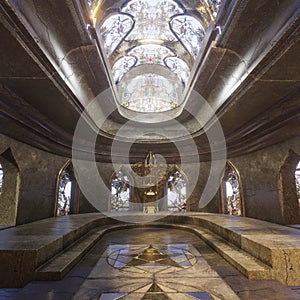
(38,172)
(263,194)
(268,187)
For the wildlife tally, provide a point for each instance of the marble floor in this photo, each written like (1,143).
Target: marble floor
(152,263)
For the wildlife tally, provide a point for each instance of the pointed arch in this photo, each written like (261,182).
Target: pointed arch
(67,191)
(10,185)
(120,190)
(288,189)
(177,185)
(1,177)
(231,191)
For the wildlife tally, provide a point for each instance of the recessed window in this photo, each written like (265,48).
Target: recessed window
(1,178)
(64,194)
(297,180)
(9,188)
(120,192)
(233,194)
(67,200)
(176,185)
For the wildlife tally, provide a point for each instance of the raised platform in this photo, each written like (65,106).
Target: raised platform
(48,249)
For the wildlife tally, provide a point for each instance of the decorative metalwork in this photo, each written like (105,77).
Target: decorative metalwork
(179,67)
(1,178)
(64,194)
(233,194)
(149,93)
(122,66)
(150,54)
(114,30)
(297,180)
(151,17)
(120,192)
(153,32)
(189,31)
(150,160)
(176,192)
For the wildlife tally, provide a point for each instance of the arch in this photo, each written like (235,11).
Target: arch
(10,185)
(115,29)
(231,191)
(120,187)
(1,177)
(288,190)
(67,191)
(297,181)
(177,184)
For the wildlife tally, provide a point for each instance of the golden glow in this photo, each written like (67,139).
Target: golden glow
(201,9)
(150,193)
(151,41)
(94,12)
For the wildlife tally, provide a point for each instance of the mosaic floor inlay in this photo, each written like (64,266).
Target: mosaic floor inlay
(161,259)
(154,272)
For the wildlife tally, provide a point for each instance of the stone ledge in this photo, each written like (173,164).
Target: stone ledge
(57,267)
(25,248)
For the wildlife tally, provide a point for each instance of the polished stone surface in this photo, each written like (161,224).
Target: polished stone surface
(141,271)
(213,273)
(26,247)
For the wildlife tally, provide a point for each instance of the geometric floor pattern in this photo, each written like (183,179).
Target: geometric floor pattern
(154,272)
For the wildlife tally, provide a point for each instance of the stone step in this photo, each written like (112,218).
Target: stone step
(248,265)
(57,267)
(61,264)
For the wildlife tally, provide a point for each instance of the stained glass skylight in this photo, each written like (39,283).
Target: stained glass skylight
(153,41)
(190,31)
(114,29)
(150,54)
(152,19)
(122,66)
(149,93)
(179,67)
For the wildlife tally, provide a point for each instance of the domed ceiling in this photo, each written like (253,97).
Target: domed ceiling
(151,49)
(150,73)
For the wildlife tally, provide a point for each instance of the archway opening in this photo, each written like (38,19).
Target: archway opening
(289,189)
(120,192)
(9,189)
